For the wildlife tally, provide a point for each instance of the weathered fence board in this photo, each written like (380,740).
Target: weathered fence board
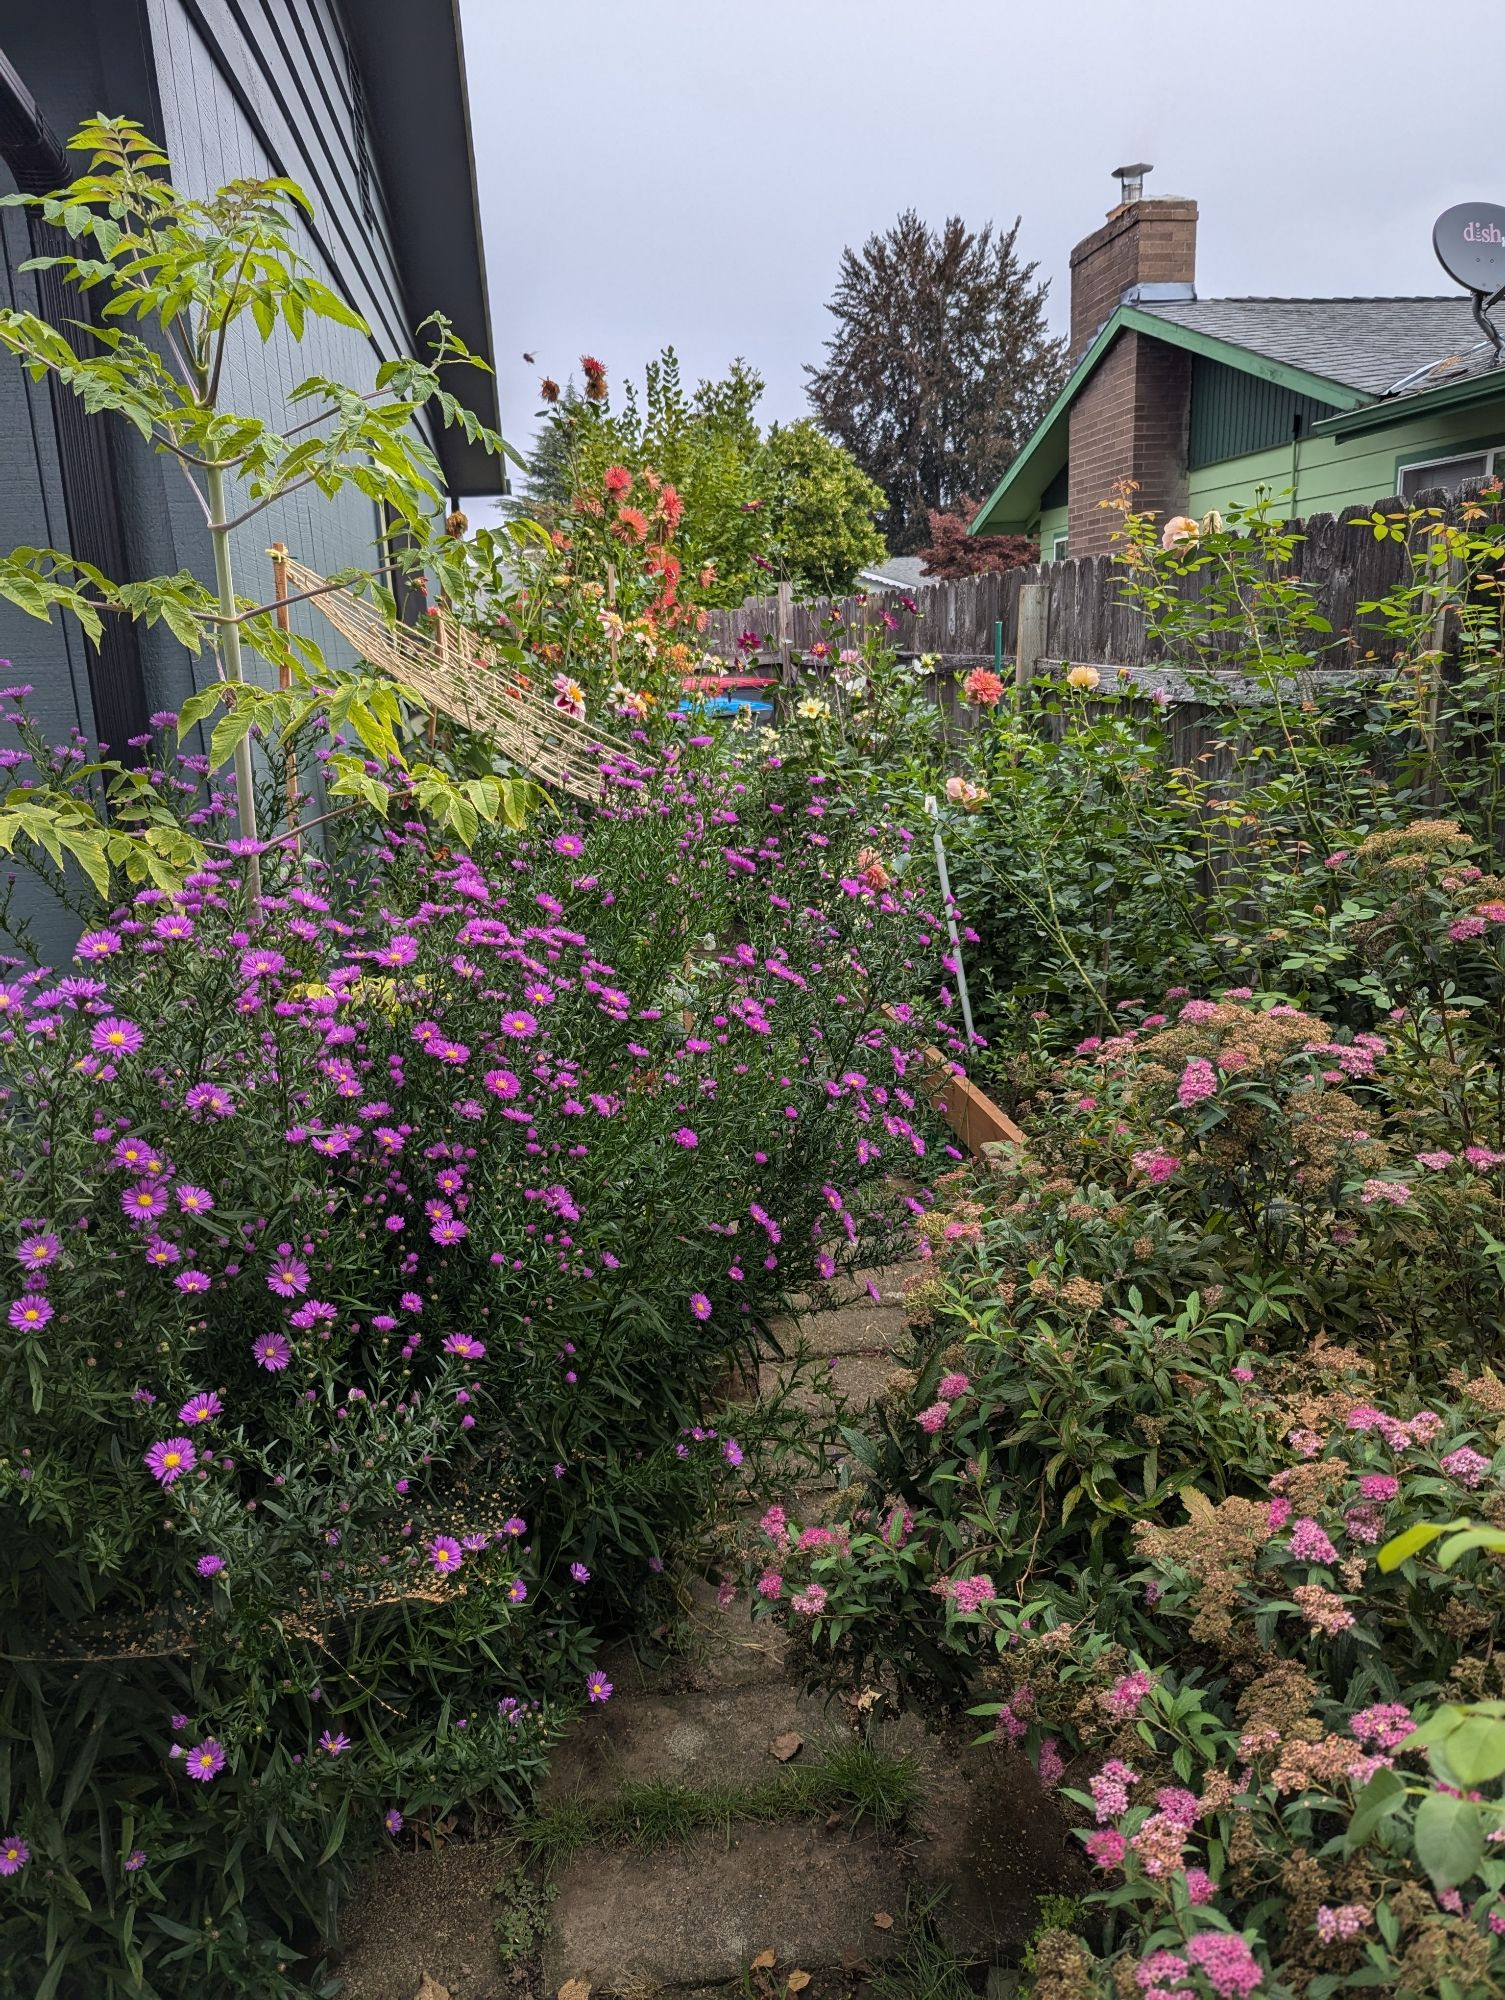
(1089,617)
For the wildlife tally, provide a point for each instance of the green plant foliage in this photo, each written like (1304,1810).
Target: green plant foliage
(791,504)
(190,273)
(375,1257)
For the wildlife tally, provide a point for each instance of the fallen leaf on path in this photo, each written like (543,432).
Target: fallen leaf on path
(763,1961)
(431,1990)
(798,1981)
(833,1820)
(575,1989)
(786,1746)
(882,1921)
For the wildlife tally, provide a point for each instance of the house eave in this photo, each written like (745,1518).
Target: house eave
(1379,416)
(413,73)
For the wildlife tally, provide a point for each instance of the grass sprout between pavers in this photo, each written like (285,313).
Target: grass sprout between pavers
(856,1780)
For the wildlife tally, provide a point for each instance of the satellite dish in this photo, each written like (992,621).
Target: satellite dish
(1470,245)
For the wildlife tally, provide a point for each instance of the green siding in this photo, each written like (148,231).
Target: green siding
(1321,477)
(1052,523)
(1234,413)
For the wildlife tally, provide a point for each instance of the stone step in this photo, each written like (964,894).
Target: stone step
(430,1912)
(858,1378)
(852,1288)
(717,1738)
(844,1331)
(639,1923)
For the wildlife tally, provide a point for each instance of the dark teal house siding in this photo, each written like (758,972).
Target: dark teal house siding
(1233,413)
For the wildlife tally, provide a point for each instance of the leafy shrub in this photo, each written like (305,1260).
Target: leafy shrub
(376,1252)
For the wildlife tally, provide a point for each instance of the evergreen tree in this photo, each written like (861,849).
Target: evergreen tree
(940,367)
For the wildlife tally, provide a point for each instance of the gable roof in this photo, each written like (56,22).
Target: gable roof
(1367,344)
(1352,354)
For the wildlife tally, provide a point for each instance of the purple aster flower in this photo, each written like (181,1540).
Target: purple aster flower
(580,1573)
(193,1200)
(209,1565)
(731,1451)
(597,1687)
(466,1346)
(568,844)
(116,1037)
(192,1281)
(261,963)
(161,1251)
(397,951)
(700,1305)
(201,1409)
(31,1311)
(501,1083)
(686,1138)
(514,1525)
(517,1591)
(37,1252)
(391,1819)
(519,1025)
(173,929)
(135,1860)
(207,1100)
(445,1555)
(272,1351)
(206,1760)
(450,1230)
(97,944)
(14,1855)
(169,1459)
(289,1277)
(334,1744)
(144,1201)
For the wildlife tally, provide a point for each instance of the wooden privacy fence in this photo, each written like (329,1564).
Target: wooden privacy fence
(1075,610)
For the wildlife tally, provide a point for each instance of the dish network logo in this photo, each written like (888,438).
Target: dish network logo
(1483,232)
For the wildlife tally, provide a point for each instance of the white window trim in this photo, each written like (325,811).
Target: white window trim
(1492,455)
(1058,548)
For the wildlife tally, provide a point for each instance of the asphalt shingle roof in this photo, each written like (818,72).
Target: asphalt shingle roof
(1369,344)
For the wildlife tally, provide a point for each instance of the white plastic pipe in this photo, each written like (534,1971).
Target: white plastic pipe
(956,944)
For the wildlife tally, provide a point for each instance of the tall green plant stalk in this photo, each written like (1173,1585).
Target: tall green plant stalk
(229,646)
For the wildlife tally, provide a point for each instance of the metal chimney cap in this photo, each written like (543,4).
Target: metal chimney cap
(1131,179)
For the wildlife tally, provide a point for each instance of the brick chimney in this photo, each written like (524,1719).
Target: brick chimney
(1130,421)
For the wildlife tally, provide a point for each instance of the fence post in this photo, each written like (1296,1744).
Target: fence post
(1034,626)
(784,606)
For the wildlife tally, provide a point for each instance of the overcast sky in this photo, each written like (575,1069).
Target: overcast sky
(688,171)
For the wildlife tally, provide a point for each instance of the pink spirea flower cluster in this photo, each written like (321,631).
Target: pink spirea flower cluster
(1110,1790)
(1199,1080)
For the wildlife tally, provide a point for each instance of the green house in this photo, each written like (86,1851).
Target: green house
(1203,403)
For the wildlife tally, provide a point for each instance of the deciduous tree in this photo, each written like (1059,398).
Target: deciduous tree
(951,552)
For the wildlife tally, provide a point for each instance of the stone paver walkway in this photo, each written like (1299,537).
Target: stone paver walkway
(677,1919)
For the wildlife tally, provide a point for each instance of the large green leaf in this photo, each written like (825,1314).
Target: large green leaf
(1449,1839)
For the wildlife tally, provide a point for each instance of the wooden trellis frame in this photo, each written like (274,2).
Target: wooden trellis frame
(456,674)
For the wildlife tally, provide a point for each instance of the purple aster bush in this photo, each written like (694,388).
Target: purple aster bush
(461,1297)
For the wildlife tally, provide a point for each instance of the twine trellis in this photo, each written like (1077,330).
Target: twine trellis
(456,674)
